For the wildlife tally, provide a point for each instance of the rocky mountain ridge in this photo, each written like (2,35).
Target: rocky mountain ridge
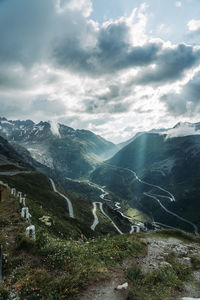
(74,153)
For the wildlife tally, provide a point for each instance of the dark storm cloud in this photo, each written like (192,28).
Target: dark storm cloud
(114,100)
(170,65)
(112,52)
(32,33)
(35,38)
(186,102)
(95,106)
(116,92)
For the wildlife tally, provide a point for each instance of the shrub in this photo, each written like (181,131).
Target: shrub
(4,294)
(164,275)
(195,262)
(181,270)
(134,273)
(24,243)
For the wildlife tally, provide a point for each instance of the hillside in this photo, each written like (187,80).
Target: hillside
(54,267)
(10,157)
(172,164)
(61,260)
(48,198)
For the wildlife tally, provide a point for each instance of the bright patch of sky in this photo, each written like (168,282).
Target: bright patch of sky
(168,19)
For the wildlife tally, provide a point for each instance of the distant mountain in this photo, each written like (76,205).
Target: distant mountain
(123,144)
(73,153)
(10,157)
(172,164)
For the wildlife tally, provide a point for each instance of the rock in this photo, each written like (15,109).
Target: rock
(186,261)
(186,298)
(164,263)
(197,275)
(160,257)
(122,286)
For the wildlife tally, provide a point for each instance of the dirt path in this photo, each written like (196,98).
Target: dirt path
(158,249)
(106,290)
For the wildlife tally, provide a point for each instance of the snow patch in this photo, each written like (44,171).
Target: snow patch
(6,122)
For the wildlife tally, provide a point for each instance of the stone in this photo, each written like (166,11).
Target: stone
(164,263)
(122,286)
(188,298)
(46,220)
(186,261)
(160,257)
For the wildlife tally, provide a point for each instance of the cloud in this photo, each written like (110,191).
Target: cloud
(63,37)
(19,106)
(171,64)
(178,3)
(94,106)
(194,25)
(111,51)
(183,129)
(187,101)
(57,63)
(54,126)
(84,6)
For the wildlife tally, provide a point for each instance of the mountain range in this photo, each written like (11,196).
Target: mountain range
(140,174)
(73,153)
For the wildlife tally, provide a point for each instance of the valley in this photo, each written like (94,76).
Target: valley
(81,203)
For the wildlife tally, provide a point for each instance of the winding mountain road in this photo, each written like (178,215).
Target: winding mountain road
(103,212)
(172,213)
(154,196)
(13,173)
(96,220)
(70,207)
(170,197)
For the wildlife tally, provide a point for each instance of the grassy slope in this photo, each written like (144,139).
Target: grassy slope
(51,267)
(43,201)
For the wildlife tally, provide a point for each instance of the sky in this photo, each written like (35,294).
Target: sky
(113,67)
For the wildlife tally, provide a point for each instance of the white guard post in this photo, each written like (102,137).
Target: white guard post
(13,191)
(22,200)
(30,231)
(19,194)
(136,229)
(25,213)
